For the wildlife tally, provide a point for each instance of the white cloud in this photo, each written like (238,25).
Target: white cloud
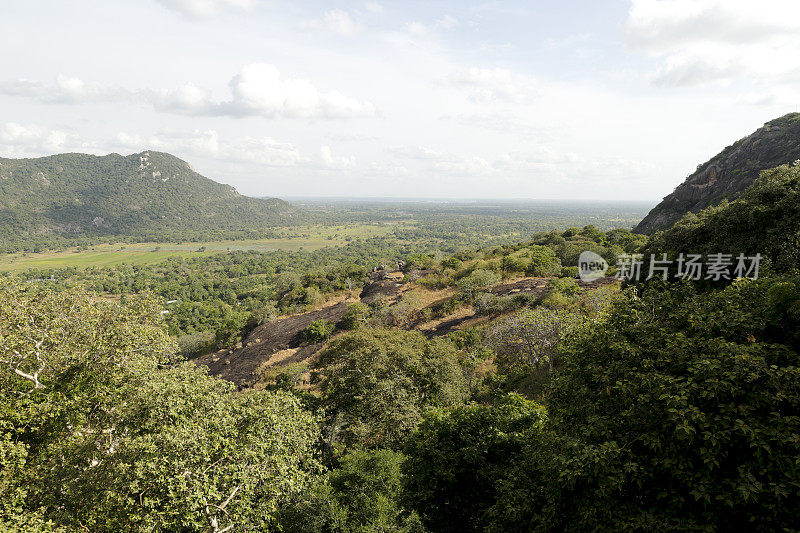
(335,21)
(19,140)
(204,8)
(188,98)
(258,89)
(207,143)
(493,84)
(416,28)
(419,153)
(702,42)
(332,162)
(262,151)
(509,122)
(373,7)
(540,163)
(446,23)
(65,90)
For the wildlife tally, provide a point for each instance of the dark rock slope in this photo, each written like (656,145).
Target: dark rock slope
(728,173)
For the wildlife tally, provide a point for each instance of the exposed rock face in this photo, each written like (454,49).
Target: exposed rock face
(242,364)
(728,173)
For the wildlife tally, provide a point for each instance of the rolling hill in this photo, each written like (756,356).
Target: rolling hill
(150,196)
(728,173)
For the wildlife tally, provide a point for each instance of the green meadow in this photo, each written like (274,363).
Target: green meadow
(102,255)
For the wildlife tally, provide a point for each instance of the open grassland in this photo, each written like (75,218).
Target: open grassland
(101,255)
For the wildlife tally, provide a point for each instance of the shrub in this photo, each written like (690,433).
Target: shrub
(378,382)
(567,287)
(455,458)
(451,263)
(356,315)
(318,331)
(435,281)
(569,272)
(477,282)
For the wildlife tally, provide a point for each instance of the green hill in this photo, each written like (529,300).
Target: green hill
(150,196)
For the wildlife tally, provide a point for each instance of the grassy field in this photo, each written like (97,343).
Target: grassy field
(308,238)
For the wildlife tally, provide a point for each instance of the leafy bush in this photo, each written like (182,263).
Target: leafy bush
(318,331)
(456,456)
(477,282)
(363,493)
(452,263)
(101,428)
(567,287)
(436,281)
(680,413)
(356,315)
(569,272)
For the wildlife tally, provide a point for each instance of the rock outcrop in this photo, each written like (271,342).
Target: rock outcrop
(728,173)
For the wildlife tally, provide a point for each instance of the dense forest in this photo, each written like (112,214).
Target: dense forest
(655,405)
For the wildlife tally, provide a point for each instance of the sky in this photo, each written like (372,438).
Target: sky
(588,100)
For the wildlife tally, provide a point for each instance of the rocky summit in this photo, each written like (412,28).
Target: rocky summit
(728,173)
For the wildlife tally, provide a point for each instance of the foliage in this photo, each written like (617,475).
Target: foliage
(680,413)
(100,429)
(361,495)
(765,220)
(477,282)
(455,457)
(530,338)
(318,331)
(533,260)
(376,384)
(357,314)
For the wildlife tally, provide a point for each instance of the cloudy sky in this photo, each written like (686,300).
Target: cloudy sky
(612,99)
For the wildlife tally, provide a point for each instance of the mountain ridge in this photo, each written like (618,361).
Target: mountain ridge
(153,195)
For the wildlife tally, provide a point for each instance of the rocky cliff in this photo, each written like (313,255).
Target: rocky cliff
(728,173)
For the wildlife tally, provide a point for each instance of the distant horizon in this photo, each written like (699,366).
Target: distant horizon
(290,197)
(411,199)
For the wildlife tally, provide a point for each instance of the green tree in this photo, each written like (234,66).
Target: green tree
(109,433)
(456,458)
(477,282)
(376,384)
(530,338)
(361,495)
(680,412)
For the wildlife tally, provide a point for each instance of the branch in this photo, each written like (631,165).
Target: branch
(30,377)
(226,502)
(213,522)
(34,377)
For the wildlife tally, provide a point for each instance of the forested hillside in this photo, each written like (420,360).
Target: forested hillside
(151,196)
(483,391)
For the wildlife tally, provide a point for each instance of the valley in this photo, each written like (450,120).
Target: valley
(148,253)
